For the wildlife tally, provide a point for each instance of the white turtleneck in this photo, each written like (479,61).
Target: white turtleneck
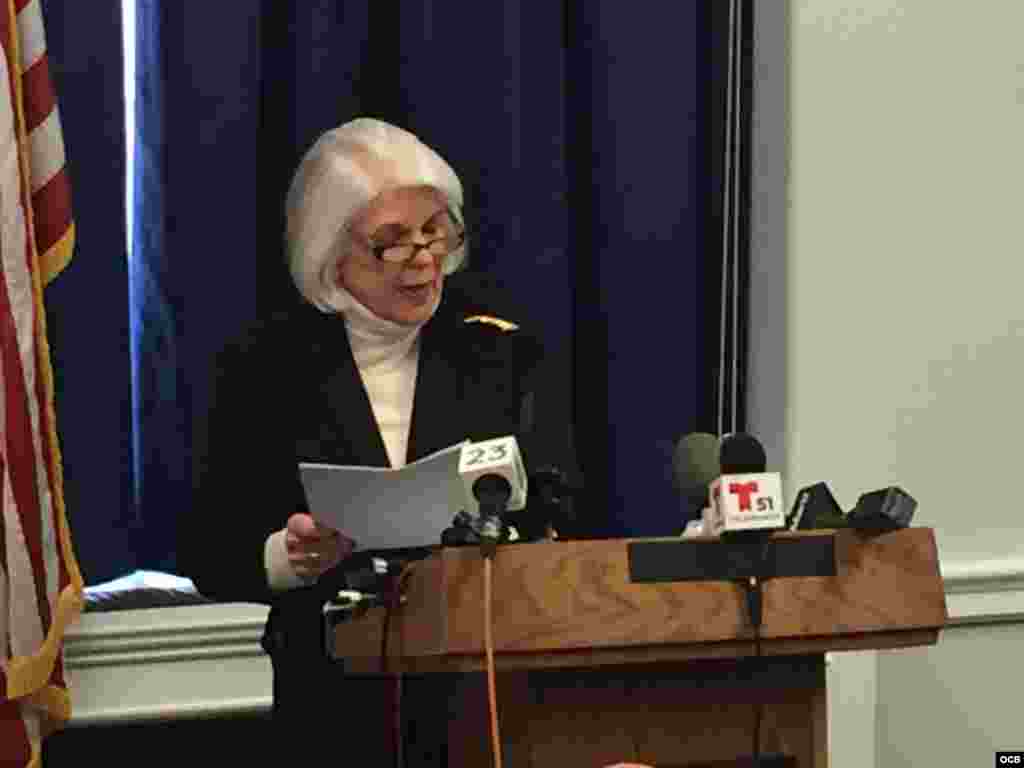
(386,355)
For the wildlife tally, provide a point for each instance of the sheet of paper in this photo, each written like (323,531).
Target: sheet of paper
(384,508)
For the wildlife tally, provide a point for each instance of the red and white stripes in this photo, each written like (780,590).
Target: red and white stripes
(40,585)
(51,189)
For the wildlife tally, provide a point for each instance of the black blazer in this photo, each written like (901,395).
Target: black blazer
(288,391)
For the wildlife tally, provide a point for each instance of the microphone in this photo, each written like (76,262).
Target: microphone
(746,506)
(744,497)
(492,491)
(548,504)
(741,453)
(493,481)
(695,465)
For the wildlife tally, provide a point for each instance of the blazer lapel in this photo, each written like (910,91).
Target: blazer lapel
(347,431)
(438,418)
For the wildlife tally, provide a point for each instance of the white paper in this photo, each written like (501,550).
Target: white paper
(385,508)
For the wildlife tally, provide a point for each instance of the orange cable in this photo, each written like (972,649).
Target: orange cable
(492,698)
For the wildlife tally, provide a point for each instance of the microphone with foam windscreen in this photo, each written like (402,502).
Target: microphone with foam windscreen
(744,497)
(741,453)
(695,465)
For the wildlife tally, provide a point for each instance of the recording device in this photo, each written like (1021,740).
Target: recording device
(815,507)
(880,511)
(887,509)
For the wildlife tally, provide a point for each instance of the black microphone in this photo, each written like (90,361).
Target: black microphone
(757,509)
(551,484)
(548,495)
(741,454)
(492,492)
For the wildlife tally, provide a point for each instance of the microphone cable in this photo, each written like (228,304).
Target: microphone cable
(396,588)
(754,598)
(755,606)
(492,492)
(492,697)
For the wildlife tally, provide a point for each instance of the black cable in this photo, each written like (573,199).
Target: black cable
(758,704)
(754,607)
(396,587)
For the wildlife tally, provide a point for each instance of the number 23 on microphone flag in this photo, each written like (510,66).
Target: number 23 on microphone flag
(40,583)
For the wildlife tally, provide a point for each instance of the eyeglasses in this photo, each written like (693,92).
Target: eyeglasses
(400,253)
(439,247)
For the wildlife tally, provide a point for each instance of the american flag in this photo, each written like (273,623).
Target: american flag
(40,584)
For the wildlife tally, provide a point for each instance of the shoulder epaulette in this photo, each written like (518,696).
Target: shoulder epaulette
(504,325)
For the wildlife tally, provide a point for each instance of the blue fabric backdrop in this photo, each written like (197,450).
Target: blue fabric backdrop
(87,306)
(583,132)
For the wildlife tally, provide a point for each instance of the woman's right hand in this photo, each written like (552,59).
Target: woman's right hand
(314,549)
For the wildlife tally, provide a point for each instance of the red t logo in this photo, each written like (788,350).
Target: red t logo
(744,490)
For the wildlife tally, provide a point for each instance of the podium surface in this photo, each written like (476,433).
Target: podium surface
(595,665)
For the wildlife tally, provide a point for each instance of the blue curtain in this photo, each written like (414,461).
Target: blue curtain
(87,306)
(583,133)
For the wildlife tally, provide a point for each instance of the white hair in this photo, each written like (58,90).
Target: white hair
(345,169)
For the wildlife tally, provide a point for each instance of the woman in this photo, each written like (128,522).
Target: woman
(394,354)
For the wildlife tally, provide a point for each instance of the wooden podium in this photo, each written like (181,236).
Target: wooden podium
(597,667)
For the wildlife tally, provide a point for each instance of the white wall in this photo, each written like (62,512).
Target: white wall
(953,704)
(888,320)
(906,328)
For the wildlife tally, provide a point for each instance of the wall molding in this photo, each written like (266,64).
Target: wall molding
(984,591)
(984,576)
(168,663)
